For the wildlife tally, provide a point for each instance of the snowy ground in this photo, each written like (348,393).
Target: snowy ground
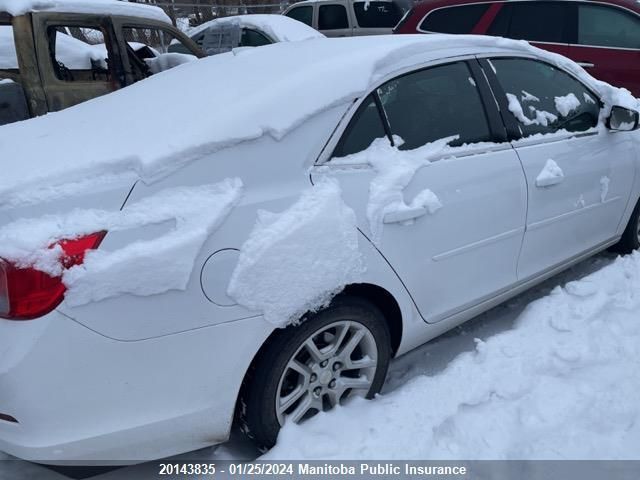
(569,393)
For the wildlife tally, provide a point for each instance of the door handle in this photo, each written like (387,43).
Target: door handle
(404,215)
(586,64)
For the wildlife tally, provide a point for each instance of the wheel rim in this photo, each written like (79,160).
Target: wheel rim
(335,362)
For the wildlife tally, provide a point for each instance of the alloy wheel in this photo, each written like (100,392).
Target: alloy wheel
(337,361)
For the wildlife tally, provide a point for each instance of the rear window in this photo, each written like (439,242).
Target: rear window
(377,14)
(460,19)
(302,14)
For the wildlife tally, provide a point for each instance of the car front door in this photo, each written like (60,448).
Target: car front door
(579,177)
(77,56)
(607,44)
(449,220)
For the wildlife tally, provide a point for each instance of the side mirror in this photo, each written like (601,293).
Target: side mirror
(623,119)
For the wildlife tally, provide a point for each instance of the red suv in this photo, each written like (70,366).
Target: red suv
(602,36)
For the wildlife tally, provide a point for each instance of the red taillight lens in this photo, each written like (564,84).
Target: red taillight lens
(27,293)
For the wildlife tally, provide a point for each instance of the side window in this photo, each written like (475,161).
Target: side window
(454,19)
(372,14)
(8,57)
(434,103)
(545,99)
(365,126)
(302,14)
(539,21)
(78,54)
(332,17)
(253,38)
(154,50)
(221,37)
(604,26)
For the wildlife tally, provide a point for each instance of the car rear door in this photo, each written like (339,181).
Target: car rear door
(579,177)
(607,43)
(452,231)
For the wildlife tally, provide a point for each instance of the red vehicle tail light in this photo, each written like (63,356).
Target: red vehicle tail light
(27,293)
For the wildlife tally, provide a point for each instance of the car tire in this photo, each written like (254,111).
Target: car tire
(285,367)
(630,239)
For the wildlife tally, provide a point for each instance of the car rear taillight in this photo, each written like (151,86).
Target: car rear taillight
(27,293)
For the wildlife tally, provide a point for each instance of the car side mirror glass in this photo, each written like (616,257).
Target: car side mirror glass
(623,119)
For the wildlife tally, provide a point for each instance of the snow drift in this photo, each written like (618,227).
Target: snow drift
(562,384)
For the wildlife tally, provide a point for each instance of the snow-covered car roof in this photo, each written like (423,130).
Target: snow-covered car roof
(278,27)
(100,7)
(48,154)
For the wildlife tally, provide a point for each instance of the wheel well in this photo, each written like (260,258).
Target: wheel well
(387,305)
(378,296)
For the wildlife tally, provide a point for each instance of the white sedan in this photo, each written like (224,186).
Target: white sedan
(254,30)
(263,253)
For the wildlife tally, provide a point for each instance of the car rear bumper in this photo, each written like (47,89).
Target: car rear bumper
(80,397)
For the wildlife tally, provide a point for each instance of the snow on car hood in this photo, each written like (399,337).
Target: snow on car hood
(152,128)
(101,7)
(278,27)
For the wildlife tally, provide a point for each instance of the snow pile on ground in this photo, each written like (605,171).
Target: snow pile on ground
(101,7)
(564,383)
(566,104)
(279,27)
(394,171)
(296,261)
(550,175)
(141,268)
